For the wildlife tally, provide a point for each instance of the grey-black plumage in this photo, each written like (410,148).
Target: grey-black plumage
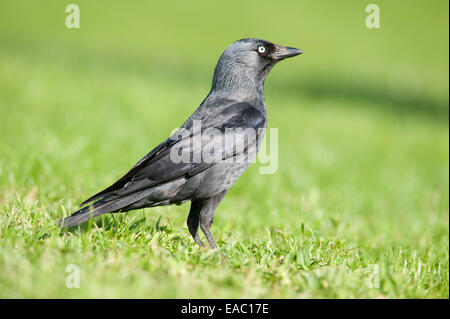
(236,101)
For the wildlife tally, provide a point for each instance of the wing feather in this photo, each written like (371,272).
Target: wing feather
(157,167)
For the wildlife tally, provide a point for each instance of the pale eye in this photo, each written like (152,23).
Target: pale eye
(261,49)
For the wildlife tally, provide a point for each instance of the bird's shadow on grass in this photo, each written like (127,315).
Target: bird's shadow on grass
(398,103)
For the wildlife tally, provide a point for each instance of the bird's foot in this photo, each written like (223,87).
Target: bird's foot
(208,236)
(198,241)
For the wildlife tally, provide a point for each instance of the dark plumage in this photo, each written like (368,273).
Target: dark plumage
(236,101)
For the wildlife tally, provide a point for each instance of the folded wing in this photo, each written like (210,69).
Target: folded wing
(214,135)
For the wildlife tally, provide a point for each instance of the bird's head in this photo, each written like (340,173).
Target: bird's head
(245,64)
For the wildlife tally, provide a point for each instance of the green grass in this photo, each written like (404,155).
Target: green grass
(361,194)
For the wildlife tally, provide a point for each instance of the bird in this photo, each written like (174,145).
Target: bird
(217,143)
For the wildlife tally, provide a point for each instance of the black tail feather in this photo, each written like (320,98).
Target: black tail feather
(102,206)
(82,215)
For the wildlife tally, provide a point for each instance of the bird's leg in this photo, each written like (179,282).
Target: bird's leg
(207,215)
(205,224)
(193,221)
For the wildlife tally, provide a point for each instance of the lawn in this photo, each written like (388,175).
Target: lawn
(359,204)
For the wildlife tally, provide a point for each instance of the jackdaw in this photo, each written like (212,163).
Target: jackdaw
(211,159)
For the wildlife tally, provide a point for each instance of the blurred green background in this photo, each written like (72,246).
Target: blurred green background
(361,190)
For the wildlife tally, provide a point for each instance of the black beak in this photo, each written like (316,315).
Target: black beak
(282,52)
